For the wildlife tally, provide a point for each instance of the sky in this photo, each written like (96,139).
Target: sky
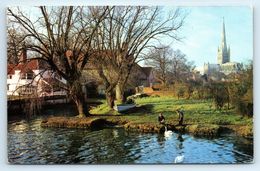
(202,33)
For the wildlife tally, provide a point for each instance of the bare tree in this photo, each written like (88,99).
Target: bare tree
(105,69)
(160,58)
(180,67)
(14,45)
(63,37)
(127,33)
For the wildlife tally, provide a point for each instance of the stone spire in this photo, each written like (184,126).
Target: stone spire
(223,51)
(223,37)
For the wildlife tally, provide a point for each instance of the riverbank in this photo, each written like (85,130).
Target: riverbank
(200,118)
(99,122)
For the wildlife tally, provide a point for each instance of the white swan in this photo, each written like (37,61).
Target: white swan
(167,133)
(179,159)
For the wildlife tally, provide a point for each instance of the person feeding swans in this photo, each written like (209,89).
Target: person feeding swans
(161,119)
(180,113)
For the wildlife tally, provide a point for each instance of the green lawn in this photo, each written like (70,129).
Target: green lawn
(196,112)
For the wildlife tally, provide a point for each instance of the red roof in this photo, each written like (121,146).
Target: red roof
(23,67)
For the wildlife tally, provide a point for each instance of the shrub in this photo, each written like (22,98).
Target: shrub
(130,101)
(180,92)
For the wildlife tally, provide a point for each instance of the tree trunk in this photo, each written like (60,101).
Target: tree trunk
(120,93)
(82,108)
(164,84)
(110,97)
(79,98)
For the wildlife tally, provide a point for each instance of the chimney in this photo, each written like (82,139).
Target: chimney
(23,55)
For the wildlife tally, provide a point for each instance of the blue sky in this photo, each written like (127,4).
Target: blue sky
(202,33)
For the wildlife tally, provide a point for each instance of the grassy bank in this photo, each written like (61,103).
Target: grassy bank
(196,112)
(200,117)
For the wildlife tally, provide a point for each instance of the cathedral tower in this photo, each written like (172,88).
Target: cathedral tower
(223,51)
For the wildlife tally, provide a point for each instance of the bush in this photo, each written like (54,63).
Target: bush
(219,93)
(242,92)
(195,95)
(180,92)
(130,101)
(244,108)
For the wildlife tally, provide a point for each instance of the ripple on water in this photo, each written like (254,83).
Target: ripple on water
(28,143)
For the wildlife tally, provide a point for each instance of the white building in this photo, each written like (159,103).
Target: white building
(29,77)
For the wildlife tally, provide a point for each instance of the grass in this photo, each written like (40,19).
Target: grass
(101,110)
(196,112)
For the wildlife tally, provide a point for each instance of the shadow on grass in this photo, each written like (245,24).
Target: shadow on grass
(148,108)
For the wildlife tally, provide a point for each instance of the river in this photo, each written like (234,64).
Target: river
(29,143)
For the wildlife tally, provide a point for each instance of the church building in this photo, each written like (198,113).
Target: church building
(223,58)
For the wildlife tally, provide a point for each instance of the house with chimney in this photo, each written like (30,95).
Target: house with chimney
(30,77)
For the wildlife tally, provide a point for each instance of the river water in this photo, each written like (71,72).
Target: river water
(29,143)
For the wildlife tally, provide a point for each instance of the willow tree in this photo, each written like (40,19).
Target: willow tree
(127,32)
(63,38)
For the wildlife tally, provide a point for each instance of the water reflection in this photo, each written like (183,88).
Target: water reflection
(20,127)
(179,143)
(161,140)
(28,143)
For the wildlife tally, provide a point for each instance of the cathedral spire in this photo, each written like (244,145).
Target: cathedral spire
(223,36)
(223,51)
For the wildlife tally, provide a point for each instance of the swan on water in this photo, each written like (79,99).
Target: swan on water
(167,133)
(179,159)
